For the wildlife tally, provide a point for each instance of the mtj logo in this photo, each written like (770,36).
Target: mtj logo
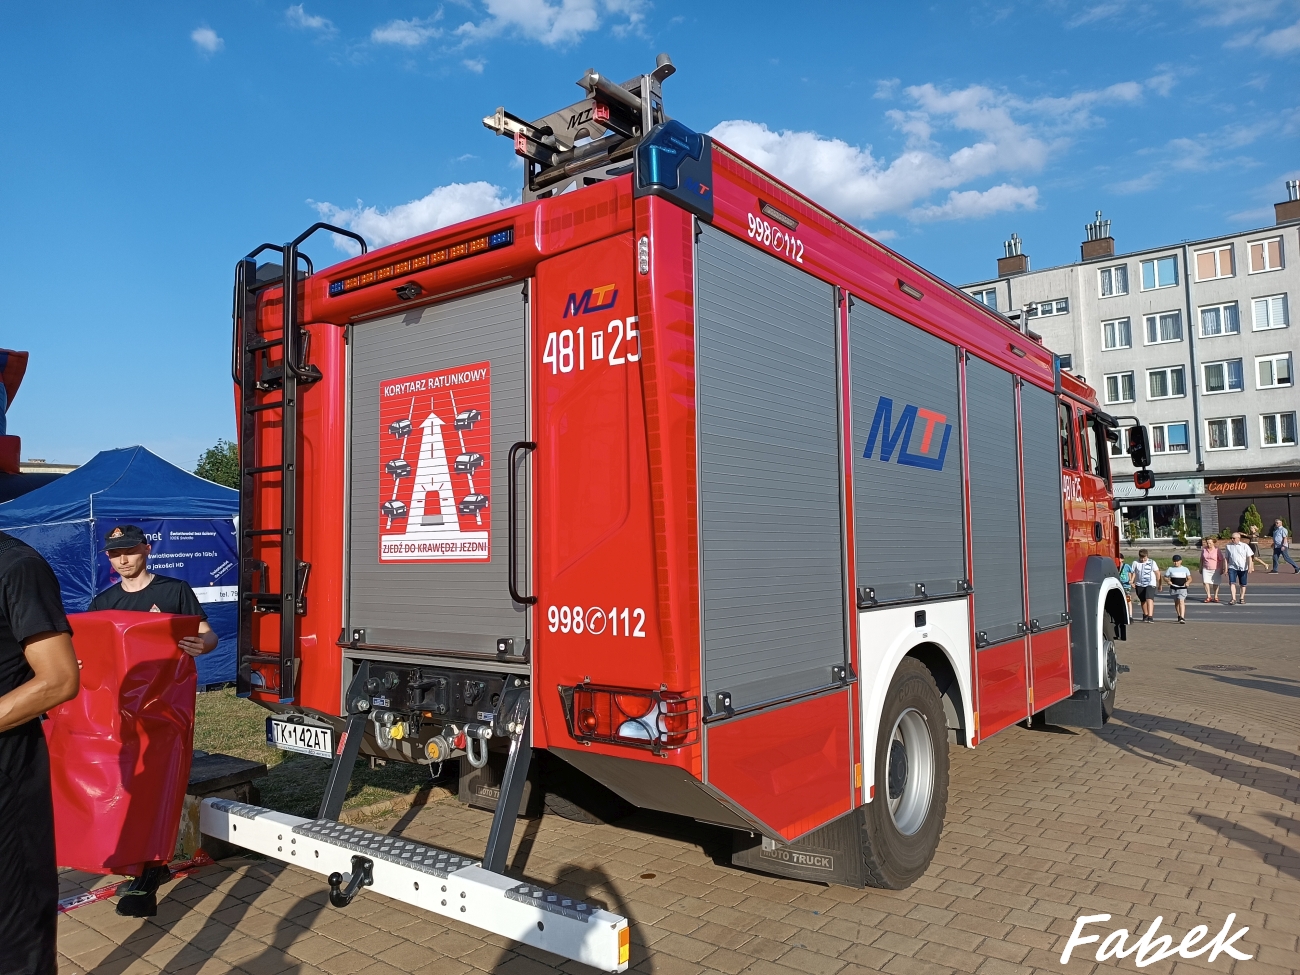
(593,299)
(901,438)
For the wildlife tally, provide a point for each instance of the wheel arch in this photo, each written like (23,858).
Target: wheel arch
(938,661)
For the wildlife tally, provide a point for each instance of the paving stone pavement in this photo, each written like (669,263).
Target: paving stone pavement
(1185,807)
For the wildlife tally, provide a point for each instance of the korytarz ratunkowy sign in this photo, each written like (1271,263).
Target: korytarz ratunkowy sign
(435,466)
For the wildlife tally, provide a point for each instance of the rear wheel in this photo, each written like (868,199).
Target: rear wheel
(901,825)
(579,798)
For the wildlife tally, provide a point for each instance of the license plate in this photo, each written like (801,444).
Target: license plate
(307,739)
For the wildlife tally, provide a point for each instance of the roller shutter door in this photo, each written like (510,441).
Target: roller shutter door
(994,503)
(1044,517)
(909,522)
(469,352)
(770,477)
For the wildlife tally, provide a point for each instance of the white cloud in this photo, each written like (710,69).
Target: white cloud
(1163,83)
(552,23)
(475,64)
(886,88)
(407,33)
(445,205)
(1283,41)
(973,204)
(1003,134)
(298,17)
(207,40)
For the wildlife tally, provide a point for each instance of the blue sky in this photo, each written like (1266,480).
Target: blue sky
(144,148)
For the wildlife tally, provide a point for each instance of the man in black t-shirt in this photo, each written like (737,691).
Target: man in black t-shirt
(142,591)
(38,671)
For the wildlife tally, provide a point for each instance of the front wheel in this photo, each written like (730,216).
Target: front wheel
(902,823)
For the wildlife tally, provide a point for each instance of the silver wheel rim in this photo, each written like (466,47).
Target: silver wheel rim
(1110,675)
(909,772)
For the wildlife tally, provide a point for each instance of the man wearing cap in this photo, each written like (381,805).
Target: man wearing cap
(1177,575)
(142,591)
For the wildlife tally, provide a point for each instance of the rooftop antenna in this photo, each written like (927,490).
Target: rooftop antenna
(1012,246)
(592,139)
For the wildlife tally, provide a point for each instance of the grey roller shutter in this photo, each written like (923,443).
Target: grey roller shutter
(770,480)
(453,606)
(994,502)
(1044,517)
(909,522)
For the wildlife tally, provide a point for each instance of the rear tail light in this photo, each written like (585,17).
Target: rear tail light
(656,720)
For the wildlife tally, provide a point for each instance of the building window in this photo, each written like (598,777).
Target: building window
(1220,320)
(1164,328)
(989,297)
(1265,255)
(1114,280)
(1119,388)
(1169,438)
(1166,383)
(1057,306)
(1269,312)
(1119,446)
(1272,371)
(1162,272)
(1214,263)
(1277,429)
(1224,377)
(1228,433)
(1117,334)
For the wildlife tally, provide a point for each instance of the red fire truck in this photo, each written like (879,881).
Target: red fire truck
(667,488)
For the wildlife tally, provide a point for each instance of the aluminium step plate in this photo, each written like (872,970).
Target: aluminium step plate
(417,856)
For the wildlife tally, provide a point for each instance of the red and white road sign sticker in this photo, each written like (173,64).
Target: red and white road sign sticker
(435,466)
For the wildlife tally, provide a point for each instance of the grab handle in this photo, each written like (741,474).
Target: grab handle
(512,519)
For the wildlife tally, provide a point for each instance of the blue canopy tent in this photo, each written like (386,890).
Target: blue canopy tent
(190,523)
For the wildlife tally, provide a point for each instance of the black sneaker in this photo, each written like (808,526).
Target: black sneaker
(1182,621)
(139,898)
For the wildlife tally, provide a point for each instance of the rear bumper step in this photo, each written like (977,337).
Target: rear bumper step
(444,883)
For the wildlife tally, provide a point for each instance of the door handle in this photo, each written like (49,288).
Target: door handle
(1096,530)
(512,578)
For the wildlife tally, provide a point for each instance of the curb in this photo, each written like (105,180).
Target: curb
(395,806)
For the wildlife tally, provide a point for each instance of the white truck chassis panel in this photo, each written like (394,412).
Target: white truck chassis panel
(438,881)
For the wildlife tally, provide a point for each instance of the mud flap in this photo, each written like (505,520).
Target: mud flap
(829,855)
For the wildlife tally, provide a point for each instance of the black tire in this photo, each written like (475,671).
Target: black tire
(579,798)
(898,843)
(1109,672)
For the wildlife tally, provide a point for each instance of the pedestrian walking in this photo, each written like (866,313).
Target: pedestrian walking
(1178,576)
(143,591)
(1254,549)
(1281,546)
(1210,558)
(1146,583)
(38,671)
(1238,555)
(1126,581)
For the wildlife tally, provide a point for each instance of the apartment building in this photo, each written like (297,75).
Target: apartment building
(1198,341)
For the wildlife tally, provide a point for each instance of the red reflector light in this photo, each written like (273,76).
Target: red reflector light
(642,719)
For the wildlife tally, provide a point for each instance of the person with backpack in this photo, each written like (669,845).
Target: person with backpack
(1146,583)
(1178,577)
(1210,558)
(1126,580)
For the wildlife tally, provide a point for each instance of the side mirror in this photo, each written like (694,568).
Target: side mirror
(1139,449)
(1144,480)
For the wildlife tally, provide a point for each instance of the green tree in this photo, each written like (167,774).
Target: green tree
(220,464)
(1250,517)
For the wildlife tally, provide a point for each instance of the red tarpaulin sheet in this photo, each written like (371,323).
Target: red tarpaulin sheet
(120,750)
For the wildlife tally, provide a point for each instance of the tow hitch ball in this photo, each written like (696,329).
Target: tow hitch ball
(362,875)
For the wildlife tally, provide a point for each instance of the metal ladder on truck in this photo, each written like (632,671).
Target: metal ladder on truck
(476,892)
(257,375)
